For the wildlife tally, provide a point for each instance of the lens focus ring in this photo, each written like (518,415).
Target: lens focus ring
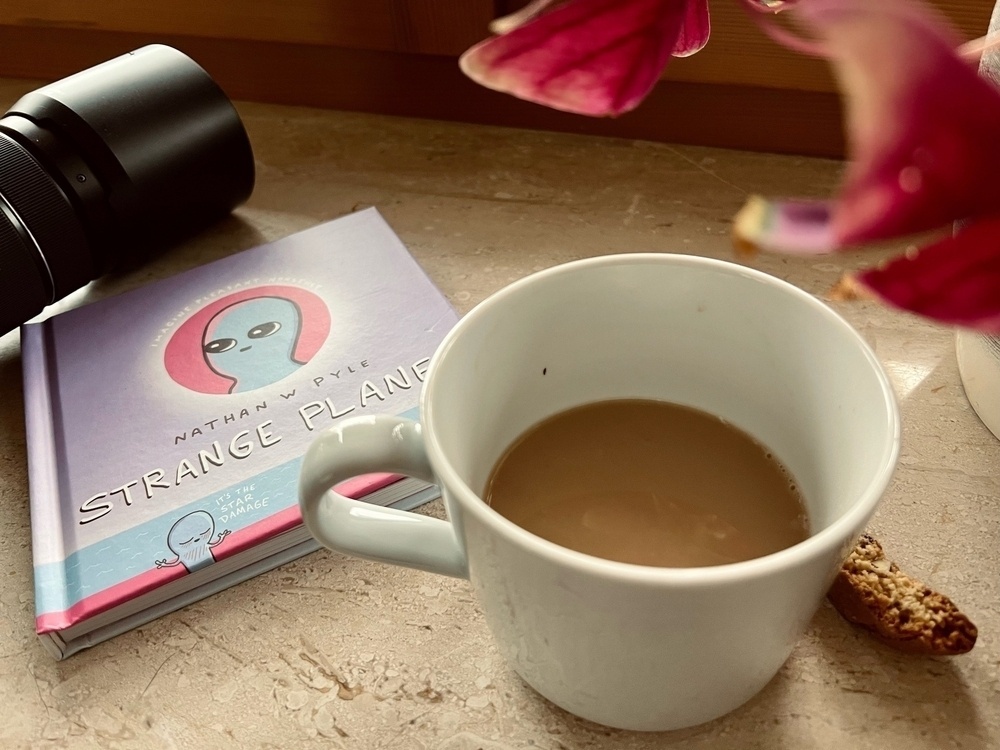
(46,214)
(23,284)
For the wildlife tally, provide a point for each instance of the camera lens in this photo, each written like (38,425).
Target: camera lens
(109,165)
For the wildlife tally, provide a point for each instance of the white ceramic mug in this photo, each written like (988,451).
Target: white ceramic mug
(625,645)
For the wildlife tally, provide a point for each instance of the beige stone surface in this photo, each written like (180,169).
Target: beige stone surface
(338,653)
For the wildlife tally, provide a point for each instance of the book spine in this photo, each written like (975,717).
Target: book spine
(40,417)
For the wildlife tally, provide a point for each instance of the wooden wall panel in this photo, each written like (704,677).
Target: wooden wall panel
(760,119)
(440,27)
(740,53)
(399,57)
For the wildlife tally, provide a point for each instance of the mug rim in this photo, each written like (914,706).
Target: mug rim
(835,535)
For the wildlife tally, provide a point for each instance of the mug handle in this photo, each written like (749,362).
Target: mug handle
(366,445)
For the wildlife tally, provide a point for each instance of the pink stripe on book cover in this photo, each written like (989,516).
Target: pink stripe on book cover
(105,600)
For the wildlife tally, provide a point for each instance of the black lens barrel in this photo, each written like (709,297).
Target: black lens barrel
(109,164)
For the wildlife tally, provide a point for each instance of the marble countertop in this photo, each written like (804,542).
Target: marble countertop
(340,653)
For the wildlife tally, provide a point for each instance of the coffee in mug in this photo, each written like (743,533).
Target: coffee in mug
(650,483)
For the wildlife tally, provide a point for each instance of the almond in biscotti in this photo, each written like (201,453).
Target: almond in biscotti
(871,591)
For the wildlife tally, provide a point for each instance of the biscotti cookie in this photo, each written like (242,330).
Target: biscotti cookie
(871,591)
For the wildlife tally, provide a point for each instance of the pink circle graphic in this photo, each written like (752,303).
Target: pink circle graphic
(184,357)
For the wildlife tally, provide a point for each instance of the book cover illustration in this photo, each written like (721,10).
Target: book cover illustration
(166,425)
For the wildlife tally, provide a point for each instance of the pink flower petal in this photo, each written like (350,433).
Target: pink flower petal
(977,49)
(592,57)
(802,227)
(923,127)
(519,17)
(695,30)
(779,33)
(767,6)
(954,281)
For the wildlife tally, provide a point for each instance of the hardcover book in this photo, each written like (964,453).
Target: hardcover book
(166,425)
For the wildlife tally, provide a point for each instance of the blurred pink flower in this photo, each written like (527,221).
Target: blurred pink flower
(924,137)
(923,128)
(591,57)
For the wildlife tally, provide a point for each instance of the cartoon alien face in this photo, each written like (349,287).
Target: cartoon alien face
(252,342)
(188,538)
